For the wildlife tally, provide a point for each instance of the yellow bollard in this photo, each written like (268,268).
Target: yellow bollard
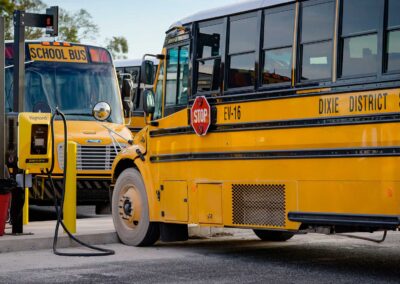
(25,214)
(26,208)
(70,189)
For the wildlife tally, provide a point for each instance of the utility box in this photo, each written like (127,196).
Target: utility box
(34,143)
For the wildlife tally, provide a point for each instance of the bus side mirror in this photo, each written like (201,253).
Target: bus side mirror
(147,72)
(128,95)
(127,90)
(101,111)
(148,102)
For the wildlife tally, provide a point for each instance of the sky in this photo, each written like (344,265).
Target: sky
(142,22)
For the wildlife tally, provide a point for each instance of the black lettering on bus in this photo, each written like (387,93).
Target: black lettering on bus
(227,113)
(63,54)
(399,99)
(384,100)
(351,104)
(83,54)
(336,105)
(379,103)
(71,54)
(45,53)
(321,106)
(39,52)
(52,53)
(58,54)
(371,102)
(359,106)
(329,105)
(32,51)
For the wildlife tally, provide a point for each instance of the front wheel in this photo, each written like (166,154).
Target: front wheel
(273,236)
(130,211)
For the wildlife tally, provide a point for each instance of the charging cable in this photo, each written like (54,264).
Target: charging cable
(59,203)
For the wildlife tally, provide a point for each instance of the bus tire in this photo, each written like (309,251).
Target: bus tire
(273,236)
(130,211)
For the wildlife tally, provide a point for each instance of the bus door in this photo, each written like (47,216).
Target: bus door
(171,112)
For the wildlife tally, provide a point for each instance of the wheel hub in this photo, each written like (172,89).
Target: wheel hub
(130,207)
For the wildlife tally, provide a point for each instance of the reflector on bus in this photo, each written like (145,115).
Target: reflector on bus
(9,53)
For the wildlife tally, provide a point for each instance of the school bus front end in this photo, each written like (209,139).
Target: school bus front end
(74,78)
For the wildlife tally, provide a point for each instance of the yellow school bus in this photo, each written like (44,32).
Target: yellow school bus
(72,77)
(304,124)
(133,108)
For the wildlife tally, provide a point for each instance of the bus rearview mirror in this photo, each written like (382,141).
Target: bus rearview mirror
(101,111)
(147,72)
(148,102)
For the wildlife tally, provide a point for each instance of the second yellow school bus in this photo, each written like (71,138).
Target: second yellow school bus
(305,124)
(133,108)
(74,78)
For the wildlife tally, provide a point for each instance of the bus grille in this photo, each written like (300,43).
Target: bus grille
(92,157)
(259,204)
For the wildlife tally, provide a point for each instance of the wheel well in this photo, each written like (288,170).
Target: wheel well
(121,166)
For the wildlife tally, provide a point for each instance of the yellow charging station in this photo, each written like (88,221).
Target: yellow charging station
(34,141)
(34,156)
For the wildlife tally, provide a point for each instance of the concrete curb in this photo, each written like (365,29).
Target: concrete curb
(94,231)
(22,243)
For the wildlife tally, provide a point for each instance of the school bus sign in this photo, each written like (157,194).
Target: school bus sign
(51,53)
(200,115)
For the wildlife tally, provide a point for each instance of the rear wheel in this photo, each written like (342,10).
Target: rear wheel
(273,236)
(130,211)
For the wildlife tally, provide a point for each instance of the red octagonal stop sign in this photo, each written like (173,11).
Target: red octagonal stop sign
(200,116)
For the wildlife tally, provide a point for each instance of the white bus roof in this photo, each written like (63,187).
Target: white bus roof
(132,62)
(243,6)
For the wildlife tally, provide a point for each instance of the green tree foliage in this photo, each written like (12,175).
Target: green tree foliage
(118,46)
(73,27)
(78,26)
(7,8)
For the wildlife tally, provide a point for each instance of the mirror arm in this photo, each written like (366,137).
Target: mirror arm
(129,141)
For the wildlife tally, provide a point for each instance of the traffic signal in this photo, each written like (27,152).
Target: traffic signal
(52,21)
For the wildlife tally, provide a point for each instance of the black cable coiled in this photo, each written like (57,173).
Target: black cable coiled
(58,203)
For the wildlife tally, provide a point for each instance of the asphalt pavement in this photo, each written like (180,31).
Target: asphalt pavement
(239,258)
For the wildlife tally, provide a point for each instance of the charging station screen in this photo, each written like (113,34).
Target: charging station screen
(39,136)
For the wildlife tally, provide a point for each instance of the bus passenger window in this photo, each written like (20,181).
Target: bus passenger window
(209,56)
(177,78)
(242,46)
(317,25)
(278,42)
(183,75)
(172,69)
(159,93)
(393,37)
(360,26)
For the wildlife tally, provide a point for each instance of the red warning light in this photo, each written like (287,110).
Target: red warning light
(99,55)
(49,22)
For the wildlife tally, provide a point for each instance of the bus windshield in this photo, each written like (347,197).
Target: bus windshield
(73,88)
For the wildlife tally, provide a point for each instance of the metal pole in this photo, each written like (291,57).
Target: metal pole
(2,104)
(19,60)
(17,201)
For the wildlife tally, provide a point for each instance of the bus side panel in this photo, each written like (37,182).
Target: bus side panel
(350,197)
